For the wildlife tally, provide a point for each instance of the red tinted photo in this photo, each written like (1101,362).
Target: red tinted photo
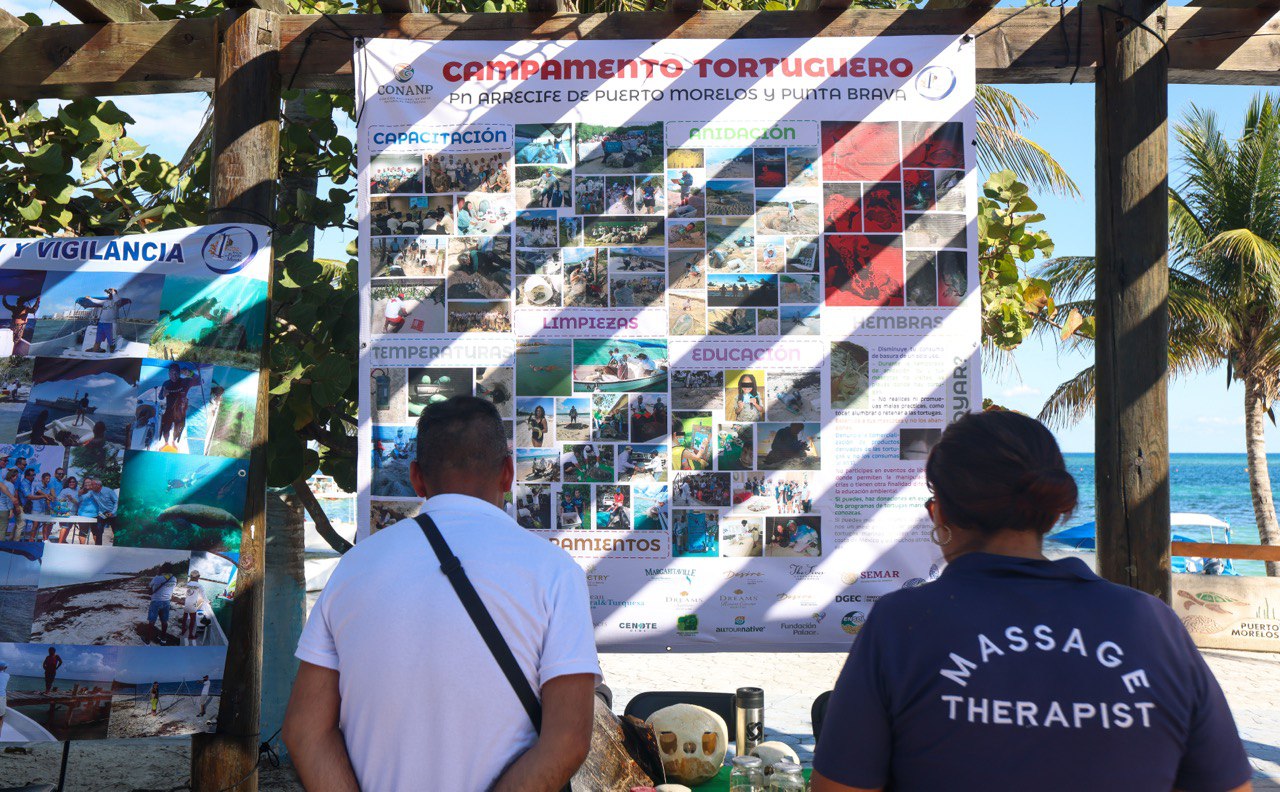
(932,145)
(860,151)
(919,187)
(842,208)
(771,167)
(882,208)
(863,270)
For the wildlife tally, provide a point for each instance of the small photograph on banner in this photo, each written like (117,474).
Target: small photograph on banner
(94,315)
(211,320)
(181,501)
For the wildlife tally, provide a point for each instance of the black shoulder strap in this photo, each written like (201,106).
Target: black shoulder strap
(452,568)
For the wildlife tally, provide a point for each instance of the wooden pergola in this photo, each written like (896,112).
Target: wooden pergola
(1130,49)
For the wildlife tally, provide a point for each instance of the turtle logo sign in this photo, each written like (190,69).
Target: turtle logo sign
(403,72)
(936,82)
(228,249)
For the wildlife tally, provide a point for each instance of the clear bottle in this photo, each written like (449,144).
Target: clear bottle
(747,774)
(787,777)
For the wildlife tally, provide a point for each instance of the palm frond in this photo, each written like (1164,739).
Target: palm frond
(1001,143)
(1071,401)
(1257,258)
(1071,277)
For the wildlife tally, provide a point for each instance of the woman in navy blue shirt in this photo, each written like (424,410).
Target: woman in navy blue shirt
(1014,672)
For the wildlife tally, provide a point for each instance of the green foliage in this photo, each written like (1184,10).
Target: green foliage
(94,462)
(1013,302)
(78,172)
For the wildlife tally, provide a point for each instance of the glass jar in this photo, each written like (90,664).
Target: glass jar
(747,774)
(787,777)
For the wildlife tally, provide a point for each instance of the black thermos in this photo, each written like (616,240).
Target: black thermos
(748,711)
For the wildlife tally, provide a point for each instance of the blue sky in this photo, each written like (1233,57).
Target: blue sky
(1204,416)
(140,665)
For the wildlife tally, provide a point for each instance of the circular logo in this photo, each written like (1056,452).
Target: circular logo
(740,620)
(229,249)
(936,82)
(403,72)
(849,578)
(852,622)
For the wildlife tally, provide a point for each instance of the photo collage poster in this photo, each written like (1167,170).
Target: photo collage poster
(724,293)
(128,389)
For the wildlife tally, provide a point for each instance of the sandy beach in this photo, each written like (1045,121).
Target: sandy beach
(774,217)
(131,716)
(810,406)
(708,398)
(111,612)
(567,432)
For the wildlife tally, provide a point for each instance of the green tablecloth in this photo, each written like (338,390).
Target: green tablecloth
(721,781)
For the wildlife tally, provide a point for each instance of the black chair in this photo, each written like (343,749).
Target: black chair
(649,702)
(818,713)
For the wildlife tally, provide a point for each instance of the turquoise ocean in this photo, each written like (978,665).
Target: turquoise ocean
(1213,484)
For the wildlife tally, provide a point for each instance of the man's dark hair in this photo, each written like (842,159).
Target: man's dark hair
(461,433)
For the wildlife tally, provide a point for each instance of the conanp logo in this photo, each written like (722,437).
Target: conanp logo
(852,622)
(403,72)
(228,249)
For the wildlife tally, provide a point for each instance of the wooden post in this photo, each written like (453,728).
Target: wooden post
(246,159)
(1132,172)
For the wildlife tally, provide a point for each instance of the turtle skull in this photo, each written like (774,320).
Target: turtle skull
(692,740)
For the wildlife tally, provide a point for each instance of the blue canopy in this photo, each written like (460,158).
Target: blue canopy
(1085,536)
(1079,537)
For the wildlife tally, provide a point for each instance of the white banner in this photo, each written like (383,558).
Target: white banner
(725,292)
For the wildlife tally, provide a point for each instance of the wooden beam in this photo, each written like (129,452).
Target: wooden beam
(401,6)
(10,28)
(102,11)
(1132,350)
(95,60)
(10,22)
(246,167)
(1238,552)
(1206,45)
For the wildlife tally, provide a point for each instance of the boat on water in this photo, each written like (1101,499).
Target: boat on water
(67,403)
(1082,540)
(606,380)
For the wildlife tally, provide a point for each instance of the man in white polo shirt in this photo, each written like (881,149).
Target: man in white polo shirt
(397,690)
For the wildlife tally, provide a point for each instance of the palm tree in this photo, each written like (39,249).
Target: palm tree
(1224,280)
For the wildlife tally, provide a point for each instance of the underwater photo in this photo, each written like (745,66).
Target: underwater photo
(181,501)
(211,320)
